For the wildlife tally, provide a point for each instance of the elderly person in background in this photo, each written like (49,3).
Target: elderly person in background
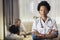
(15,30)
(44,28)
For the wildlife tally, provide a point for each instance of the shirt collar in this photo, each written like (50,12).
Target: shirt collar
(48,19)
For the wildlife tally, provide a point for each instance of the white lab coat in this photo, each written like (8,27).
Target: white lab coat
(48,25)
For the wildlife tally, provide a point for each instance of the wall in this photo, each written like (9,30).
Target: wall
(1,20)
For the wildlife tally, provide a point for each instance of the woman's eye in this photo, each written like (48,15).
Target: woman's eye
(41,10)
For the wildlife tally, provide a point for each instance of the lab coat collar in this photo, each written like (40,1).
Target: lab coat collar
(48,18)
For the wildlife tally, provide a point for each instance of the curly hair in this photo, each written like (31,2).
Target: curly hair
(44,3)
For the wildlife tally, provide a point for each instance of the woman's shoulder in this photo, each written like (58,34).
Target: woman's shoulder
(53,20)
(37,20)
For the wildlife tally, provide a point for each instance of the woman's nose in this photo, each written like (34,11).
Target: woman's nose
(43,11)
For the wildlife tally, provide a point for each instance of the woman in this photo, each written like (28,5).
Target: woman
(44,28)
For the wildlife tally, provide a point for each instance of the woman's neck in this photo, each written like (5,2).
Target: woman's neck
(44,18)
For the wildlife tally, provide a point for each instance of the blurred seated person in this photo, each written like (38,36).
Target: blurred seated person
(16,29)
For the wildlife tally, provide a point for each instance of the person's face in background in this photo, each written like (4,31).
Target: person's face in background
(43,11)
(17,23)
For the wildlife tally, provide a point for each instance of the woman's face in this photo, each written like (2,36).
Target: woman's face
(43,11)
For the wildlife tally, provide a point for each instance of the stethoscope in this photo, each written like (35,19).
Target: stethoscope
(42,23)
(43,26)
